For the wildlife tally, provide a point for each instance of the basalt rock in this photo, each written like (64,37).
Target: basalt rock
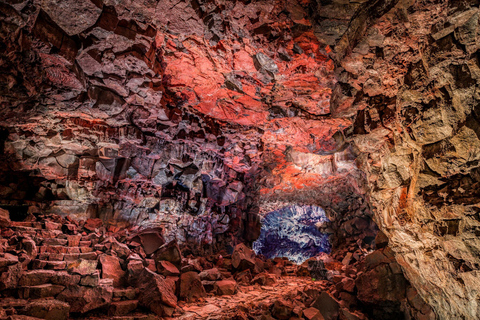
(182,124)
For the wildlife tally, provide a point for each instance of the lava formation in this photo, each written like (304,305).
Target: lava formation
(148,146)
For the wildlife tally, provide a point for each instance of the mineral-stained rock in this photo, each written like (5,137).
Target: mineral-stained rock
(10,276)
(121,308)
(150,240)
(73,17)
(198,117)
(210,274)
(38,277)
(4,218)
(156,292)
(167,268)
(191,288)
(82,267)
(264,279)
(134,269)
(8,259)
(120,249)
(312,314)
(40,291)
(111,269)
(244,277)
(282,309)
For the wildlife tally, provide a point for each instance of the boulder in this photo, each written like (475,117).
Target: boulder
(282,309)
(120,249)
(210,274)
(134,269)
(83,299)
(47,309)
(121,308)
(312,314)
(10,276)
(40,291)
(169,252)
(150,240)
(244,277)
(191,288)
(4,218)
(264,279)
(82,267)
(30,247)
(167,268)
(243,258)
(156,293)
(225,287)
(91,280)
(37,277)
(111,269)
(7,260)
(327,305)
(92,224)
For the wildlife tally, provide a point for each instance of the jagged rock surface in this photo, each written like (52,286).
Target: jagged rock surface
(412,85)
(195,118)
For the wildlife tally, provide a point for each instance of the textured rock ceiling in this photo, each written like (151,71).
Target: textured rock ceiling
(130,111)
(198,115)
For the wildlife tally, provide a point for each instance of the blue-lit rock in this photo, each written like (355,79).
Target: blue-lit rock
(291,232)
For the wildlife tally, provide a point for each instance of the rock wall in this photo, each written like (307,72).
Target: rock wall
(190,115)
(411,84)
(201,116)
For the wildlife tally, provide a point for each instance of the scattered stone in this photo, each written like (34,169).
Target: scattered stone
(83,267)
(167,268)
(156,293)
(225,287)
(111,269)
(243,258)
(191,288)
(169,252)
(47,309)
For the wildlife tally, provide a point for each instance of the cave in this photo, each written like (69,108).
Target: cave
(263,159)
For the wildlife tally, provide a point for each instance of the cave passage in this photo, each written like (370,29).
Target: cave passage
(292,232)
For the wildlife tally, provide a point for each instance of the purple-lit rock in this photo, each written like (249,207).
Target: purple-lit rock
(292,232)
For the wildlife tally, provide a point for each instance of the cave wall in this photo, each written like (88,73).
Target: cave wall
(201,116)
(411,84)
(196,116)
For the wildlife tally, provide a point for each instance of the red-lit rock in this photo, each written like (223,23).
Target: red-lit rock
(225,287)
(191,288)
(83,299)
(111,269)
(169,252)
(243,257)
(167,268)
(156,292)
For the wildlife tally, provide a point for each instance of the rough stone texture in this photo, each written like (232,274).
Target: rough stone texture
(191,288)
(192,116)
(156,292)
(111,269)
(414,82)
(197,117)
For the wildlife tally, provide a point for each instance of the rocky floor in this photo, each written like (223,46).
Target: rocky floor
(58,268)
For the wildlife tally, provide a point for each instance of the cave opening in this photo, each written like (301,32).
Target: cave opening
(293,232)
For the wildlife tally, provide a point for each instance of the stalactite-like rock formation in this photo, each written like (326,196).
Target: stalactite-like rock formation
(188,121)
